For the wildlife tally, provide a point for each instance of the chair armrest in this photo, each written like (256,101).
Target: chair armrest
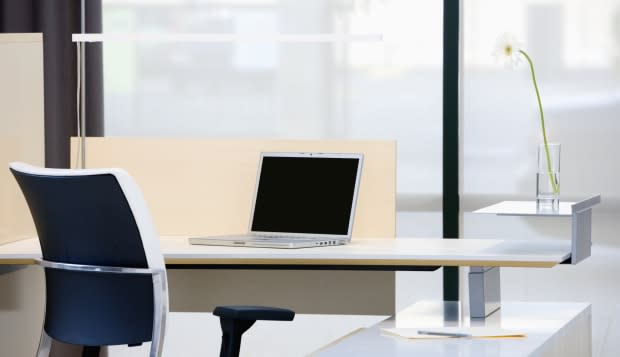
(254,313)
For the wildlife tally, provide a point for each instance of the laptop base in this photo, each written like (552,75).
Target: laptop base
(264,242)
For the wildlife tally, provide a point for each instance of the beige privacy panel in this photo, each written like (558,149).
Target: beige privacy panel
(205,187)
(21,126)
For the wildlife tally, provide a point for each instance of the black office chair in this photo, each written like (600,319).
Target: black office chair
(105,275)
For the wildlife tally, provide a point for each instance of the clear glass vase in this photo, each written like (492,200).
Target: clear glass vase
(548,178)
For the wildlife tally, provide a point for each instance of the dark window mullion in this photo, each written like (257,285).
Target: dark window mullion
(451,26)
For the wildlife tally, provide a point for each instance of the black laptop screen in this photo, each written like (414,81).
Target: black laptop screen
(305,195)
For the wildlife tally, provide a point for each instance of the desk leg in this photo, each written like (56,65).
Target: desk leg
(484,291)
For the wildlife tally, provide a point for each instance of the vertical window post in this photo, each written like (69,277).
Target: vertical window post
(451,112)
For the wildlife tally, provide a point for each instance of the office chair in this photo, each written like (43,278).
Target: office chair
(105,275)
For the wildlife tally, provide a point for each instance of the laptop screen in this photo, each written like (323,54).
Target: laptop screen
(307,195)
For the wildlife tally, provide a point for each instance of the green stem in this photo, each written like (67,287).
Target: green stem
(554,185)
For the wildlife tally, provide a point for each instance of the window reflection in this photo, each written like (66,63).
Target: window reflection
(389,90)
(384,90)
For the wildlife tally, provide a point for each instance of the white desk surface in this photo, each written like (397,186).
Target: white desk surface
(362,252)
(552,329)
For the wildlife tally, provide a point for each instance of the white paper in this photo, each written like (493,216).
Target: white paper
(475,332)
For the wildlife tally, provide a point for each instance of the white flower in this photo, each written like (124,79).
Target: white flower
(507,50)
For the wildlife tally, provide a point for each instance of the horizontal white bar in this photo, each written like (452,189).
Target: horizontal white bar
(219,38)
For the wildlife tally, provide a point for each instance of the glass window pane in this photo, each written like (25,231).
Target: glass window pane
(388,89)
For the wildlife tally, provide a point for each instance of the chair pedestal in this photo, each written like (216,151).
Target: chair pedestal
(232,330)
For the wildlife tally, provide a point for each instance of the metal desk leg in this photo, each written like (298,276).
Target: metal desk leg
(484,291)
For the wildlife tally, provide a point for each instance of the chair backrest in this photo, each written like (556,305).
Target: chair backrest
(94,217)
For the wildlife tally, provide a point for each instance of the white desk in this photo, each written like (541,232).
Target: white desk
(404,254)
(392,254)
(553,329)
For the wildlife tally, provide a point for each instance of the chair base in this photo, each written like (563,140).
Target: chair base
(232,330)
(91,351)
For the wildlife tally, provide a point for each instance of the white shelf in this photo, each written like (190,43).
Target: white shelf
(525,208)
(528,208)
(579,212)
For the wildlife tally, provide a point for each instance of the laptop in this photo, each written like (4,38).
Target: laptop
(301,200)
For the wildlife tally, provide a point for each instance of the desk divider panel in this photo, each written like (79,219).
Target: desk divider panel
(200,187)
(21,139)
(205,187)
(21,126)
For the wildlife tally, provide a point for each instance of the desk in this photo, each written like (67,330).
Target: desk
(553,329)
(362,254)
(368,255)
(357,260)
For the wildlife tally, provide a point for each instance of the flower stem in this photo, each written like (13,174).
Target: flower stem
(554,184)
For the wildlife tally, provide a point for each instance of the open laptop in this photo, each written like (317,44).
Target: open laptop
(301,200)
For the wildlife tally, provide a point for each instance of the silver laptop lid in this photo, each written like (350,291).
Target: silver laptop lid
(306,194)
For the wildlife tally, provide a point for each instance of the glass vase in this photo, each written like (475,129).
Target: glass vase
(548,178)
